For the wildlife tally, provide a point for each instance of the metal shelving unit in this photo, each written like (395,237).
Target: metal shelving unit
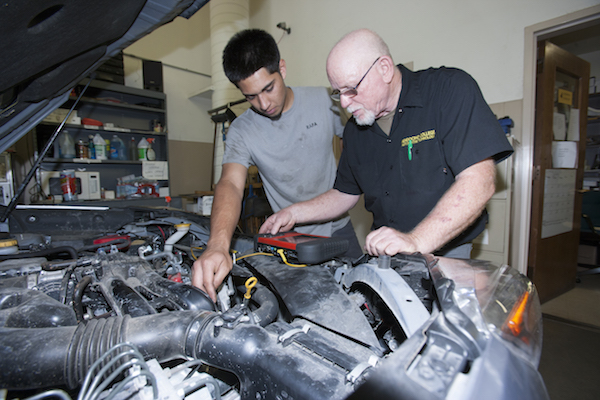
(132,112)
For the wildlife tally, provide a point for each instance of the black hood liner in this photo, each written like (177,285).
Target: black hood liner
(39,35)
(54,82)
(48,46)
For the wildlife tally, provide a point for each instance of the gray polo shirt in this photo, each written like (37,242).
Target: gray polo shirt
(294,153)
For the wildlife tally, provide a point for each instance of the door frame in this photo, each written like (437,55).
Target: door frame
(523,167)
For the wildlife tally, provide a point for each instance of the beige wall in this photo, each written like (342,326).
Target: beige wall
(487,42)
(190,167)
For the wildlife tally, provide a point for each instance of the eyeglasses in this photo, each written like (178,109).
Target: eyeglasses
(351,92)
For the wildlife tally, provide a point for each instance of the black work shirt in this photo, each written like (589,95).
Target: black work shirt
(442,126)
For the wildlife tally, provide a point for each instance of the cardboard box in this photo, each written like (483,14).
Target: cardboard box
(205,205)
(57,116)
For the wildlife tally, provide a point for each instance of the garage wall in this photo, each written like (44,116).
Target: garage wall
(483,37)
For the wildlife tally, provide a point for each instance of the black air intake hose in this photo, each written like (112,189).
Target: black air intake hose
(267,366)
(50,357)
(267,302)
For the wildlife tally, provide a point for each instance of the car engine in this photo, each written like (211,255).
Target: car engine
(99,305)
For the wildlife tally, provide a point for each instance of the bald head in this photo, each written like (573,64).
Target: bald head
(357,49)
(362,72)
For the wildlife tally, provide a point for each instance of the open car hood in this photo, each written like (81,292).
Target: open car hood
(49,46)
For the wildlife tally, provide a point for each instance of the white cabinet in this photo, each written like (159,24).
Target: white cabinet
(492,244)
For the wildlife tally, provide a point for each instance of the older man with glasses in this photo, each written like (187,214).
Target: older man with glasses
(422,148)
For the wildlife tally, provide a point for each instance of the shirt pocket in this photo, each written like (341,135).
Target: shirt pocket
(424,169)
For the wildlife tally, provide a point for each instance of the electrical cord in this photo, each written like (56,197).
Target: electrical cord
(61,394)
(255,254)
(282,255)
(106,369)
(194,365)
(195,257)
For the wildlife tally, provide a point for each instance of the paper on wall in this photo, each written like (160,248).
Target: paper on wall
(564,154)
(157,170)
(559,202)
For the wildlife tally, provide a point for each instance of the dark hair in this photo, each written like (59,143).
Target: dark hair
(247,52)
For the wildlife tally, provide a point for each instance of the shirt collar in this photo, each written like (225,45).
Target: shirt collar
(410,95)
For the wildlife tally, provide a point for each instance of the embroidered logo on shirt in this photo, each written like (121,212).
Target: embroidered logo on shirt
(421,137)
(311,125)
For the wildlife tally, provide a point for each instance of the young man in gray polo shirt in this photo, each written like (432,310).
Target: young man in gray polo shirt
(287,133)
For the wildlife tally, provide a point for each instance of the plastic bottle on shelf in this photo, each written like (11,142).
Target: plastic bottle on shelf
(107,144)
(133,152)
(142,149)
(122,150)
(117,149)
(100,146)
(91,147)
(82,149)
(66,145)
(150,153)
(113,152)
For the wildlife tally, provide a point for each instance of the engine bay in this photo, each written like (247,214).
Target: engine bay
(76,293)
(97,303)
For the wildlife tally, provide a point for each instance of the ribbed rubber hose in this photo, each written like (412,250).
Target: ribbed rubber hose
(61,356)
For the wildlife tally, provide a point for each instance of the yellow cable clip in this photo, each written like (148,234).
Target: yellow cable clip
(250,283)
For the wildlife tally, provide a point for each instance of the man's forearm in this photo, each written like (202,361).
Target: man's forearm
(460,206)
(325,207)
(225,215)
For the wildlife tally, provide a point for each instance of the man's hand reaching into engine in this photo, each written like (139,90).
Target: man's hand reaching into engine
(210,270)
(454,212)
(389,241)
